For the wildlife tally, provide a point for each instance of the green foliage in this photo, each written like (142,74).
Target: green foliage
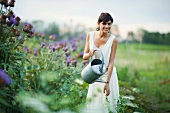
(156,38)
(12,58)
(147,70)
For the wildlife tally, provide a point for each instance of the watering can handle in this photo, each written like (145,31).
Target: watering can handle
(101,69)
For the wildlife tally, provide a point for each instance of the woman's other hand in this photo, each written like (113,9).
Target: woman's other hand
(106,89)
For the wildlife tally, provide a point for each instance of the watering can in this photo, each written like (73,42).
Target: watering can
(89,73)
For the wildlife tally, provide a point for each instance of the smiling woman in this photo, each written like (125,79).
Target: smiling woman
(98,92)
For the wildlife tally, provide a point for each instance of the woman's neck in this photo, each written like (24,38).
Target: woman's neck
(103,35)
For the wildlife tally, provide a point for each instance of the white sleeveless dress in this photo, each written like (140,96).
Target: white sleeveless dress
(97,102)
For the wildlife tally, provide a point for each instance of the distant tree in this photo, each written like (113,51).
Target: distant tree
(156,38)
(38,25)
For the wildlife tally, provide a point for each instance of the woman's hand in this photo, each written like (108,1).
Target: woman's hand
(106,89)
(91,52)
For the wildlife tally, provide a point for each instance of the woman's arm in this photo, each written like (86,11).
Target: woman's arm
(87,52)
(110,66)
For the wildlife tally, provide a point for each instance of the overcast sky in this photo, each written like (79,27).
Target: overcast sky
(152,15)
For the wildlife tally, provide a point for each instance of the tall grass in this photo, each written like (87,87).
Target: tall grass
(148,67)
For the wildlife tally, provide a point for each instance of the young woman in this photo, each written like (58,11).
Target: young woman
(102,97)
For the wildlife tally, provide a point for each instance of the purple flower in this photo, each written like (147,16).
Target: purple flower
(35,52)
(43,44)
(68,62)
(43,34)
(52,37)
(27,49)
(74,48)
(10,14)
(52,48)
(80,55)
(67,53)
(65,49)
(4,78)
(11,3)
(27,27)
(74,62)
(85,62)
(19,37)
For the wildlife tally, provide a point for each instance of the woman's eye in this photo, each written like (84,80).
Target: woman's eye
(107,23)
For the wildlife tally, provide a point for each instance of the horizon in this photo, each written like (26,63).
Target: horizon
(128,15)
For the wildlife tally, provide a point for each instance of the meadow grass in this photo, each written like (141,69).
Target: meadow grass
(150,64)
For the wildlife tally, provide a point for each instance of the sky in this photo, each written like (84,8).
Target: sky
(129,15)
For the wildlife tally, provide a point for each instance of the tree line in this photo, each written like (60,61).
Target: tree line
(144,36)
(69,31)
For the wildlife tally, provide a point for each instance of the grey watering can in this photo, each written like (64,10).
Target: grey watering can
(89,73)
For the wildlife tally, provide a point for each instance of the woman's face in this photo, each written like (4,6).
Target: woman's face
(105,26)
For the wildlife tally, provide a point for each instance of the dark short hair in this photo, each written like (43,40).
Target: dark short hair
(105,17)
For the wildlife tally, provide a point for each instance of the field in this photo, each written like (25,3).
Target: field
(149,70)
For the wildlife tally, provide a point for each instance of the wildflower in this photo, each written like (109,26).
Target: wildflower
(67,53)
(74,62)
(52,48)
(68,62)
(58,47)
(85,62)
(27,28)
(71,58)
(65,49)
(64,44)
(10,14)
(9,23)
(74,48)
(27,50)
(80,55)
(43,44)
(3,19)
(35,52)
(42,34)
(4,2)
(30,34)
(13,30)
(4,78)
(17,20)
(19,37)
(18,31)
(82,37)
(52,37)
(11,3)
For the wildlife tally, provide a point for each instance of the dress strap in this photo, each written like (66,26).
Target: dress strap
(112,37)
